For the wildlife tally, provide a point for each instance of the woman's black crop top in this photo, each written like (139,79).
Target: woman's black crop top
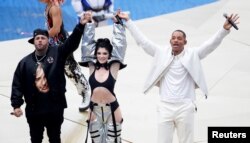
(109,83)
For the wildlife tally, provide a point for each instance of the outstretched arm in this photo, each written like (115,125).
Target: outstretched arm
(148,46)
(55,13)
(119,44)
(72,43)
(88,45)
(212,43)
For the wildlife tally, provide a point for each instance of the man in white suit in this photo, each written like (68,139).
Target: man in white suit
(177,72)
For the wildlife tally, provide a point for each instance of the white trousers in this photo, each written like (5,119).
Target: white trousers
(179,116)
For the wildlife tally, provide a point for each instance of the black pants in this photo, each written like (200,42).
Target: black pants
(51,121)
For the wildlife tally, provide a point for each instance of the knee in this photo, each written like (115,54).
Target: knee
(96,130)
(114,132)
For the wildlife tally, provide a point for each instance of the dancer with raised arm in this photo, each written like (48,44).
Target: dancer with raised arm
(39,81)
(177,72)
(58,35)
(104,60)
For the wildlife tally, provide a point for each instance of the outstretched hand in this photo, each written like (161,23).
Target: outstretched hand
(234,18)
(86,17)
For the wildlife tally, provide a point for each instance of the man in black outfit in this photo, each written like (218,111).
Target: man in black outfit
(39,78)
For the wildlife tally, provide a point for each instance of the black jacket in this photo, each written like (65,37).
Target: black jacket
(23,84)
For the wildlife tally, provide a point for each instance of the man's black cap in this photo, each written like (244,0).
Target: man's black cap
(38,32)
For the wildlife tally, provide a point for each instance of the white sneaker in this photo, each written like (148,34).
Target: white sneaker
(85,102)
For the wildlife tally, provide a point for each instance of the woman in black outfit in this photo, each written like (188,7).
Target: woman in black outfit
(104,60)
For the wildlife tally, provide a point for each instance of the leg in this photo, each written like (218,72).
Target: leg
(96,126)
(36,126)
(112,135)
(103,126)
(165,132)
(96,130)
(166,124)
(53,124)
(113,131)
(185,123)
(73,72)
(114,124)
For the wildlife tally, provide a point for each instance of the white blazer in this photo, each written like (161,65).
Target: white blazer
(162,57)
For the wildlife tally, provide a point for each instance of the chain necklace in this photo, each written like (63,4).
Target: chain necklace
(38,61)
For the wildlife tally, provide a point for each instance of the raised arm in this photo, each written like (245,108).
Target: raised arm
(88,44)
(55,14)
(212,43)
(119,44)
(148,46)
(72,43)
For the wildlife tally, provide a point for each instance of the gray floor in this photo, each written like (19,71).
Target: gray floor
(227,73)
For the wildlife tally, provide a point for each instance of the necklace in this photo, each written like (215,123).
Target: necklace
(38,61)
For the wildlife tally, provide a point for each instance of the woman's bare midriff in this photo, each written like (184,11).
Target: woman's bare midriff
(102,95)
